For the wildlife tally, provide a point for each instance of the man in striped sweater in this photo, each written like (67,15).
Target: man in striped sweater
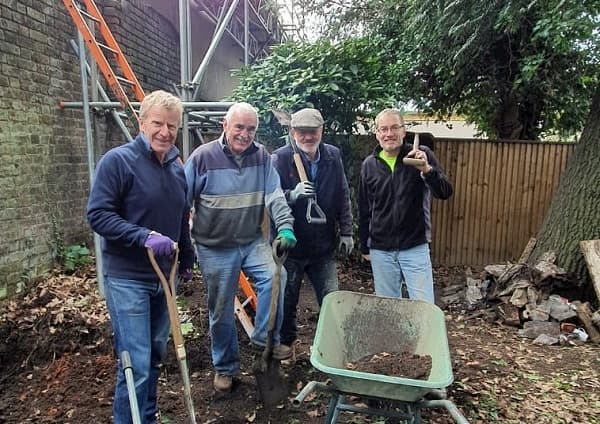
(231,181)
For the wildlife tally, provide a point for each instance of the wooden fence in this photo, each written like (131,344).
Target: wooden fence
(502,191)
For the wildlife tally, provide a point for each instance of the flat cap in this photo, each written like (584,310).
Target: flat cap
(307,118)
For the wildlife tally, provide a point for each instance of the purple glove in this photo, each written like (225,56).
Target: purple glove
(160,245)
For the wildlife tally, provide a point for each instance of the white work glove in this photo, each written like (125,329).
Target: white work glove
(302,190)
(346,245)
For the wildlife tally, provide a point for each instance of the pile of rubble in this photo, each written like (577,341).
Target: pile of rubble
(527,297)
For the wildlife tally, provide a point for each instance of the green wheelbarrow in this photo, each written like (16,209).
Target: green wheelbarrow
(354,325)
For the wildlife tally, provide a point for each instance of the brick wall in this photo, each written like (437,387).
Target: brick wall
(43,160)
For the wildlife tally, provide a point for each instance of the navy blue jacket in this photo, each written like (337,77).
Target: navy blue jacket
(133,194)
(392,205)
(333,197)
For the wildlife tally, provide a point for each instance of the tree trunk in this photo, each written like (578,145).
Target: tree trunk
(507,121)
(574,213)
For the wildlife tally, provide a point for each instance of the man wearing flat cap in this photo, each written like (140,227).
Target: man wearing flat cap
(314,254)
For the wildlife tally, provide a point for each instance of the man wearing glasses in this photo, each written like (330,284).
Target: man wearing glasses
(392,217)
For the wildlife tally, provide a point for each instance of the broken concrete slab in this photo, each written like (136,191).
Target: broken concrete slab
(532,329)
(546,340)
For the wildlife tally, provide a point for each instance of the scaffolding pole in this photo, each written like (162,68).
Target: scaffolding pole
(211,49)
(117,105)
(184,52)
(90,153)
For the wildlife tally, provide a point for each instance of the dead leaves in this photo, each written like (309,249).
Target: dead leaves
(58,300)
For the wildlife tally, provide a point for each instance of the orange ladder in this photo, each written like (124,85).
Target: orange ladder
(240,307)
(110,45)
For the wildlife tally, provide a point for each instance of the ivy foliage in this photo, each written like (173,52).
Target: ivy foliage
(346,81)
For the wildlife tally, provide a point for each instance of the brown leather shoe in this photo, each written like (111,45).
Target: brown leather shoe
(291,361)
(282,352)
(222,383)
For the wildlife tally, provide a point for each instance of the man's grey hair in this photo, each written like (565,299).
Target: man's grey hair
(388,111)
(239,107)
(161,99)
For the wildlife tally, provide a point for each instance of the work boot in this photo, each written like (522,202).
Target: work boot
(222,383)
(282,352)
(291,361)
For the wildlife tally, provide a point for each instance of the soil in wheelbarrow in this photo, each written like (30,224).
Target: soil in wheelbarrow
(394,364)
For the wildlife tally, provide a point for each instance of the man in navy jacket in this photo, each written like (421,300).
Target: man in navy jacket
(317,242)
(138,201)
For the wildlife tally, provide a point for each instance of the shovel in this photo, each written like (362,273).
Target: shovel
(169,289)
(267,370)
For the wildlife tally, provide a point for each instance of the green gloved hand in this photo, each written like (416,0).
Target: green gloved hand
(287,239)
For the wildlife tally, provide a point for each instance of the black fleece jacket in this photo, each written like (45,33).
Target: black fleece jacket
(390,204)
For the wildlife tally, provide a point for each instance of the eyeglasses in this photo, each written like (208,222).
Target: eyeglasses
(394,129)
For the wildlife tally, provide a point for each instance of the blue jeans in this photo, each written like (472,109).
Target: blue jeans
(321,273)
(413,266)
(140,323)
(220,268)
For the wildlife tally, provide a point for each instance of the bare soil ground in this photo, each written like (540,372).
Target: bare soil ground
(57,365)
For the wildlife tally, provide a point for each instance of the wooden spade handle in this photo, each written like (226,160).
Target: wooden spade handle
(300,167)
(413,161)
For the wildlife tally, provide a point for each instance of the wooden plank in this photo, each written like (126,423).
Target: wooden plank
(447,206)
(439,209)
(528,187)
(495,203)
(453,206)
(479,210)
(527,251)
(584,313)
(467,239)
(466,189)
(548,179)
(539,192)
(520,204)
(458,211)
(484,204)
(591,253)
(512,163)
